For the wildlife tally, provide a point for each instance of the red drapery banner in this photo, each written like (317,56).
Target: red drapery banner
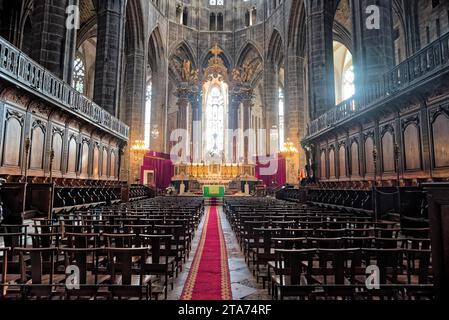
(271,170)
(162,166)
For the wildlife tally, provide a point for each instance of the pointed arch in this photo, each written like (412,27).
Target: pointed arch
(251,56)
(249,48)
(275,48)
(343,24)
(224,56)
(181,53)
(134,34)
(155,49)
(297,28)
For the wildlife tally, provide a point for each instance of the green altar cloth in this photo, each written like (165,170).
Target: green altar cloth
(214,191)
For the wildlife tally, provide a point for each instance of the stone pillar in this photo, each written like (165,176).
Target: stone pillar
(438,198)
(110,19)
(248,138)
(196,128)
(295,117)
(373,48)
(53,43)
(134,113)
(272,105)
(183,105)
(320,18)
(70,48)
(233,125)
(158,111)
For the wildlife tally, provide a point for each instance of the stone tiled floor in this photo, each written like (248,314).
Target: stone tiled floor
(244,285)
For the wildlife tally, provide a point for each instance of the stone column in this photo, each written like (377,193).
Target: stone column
(183,101)
(320,17)
(272,105)
(158,111)
(233,124)
(70,48)
(295,117)
(247,104)
(196,128)
(373,48)
(53,43)
(110,19)
(134,95)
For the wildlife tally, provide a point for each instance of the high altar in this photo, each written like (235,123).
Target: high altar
(233,176)
(219,101)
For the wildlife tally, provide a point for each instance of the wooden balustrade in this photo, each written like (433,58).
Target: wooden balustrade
(422,65)
(18,67)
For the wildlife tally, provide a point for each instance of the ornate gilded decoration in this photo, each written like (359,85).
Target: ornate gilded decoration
(245,74)
(188,74)
(216,68)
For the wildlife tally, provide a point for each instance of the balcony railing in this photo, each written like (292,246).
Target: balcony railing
(23,69)
(418,67)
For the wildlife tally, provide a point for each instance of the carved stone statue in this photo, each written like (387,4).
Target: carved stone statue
(236,76)
(247,73)
(185,72)
(194,76)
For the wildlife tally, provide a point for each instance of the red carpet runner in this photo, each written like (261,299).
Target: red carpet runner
(209,274)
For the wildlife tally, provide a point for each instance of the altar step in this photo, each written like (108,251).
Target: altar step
(213,202)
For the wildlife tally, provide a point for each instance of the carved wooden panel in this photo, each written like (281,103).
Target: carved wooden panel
(12,142)
(85,158)
(104,164)
(332,163)
(323,164)
(412,148)
(342,160)
(96,160)
(440,130)
(113,170)
(37,147)
(71,164)
(369,161)
(57,149)
(388,152)
(355,166)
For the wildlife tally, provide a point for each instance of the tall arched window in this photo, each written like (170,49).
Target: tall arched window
(215,122)
(212,22)
(185,16)
(79,73)
(344,73)
(220,21)
(148,98)
(281,117)
(348,82)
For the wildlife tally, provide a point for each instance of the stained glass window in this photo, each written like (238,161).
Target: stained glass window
(79,73)
(216,2)
(348,83)
(215,122)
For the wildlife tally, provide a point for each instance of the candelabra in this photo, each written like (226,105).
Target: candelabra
(290,152)
(138,150)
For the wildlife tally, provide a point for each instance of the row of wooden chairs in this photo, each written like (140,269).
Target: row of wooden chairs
(342,273)
(265,230)
(96,241)
(99,272)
